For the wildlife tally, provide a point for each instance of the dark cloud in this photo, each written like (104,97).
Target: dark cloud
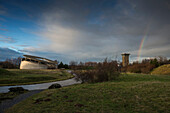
(94,29)
(7,53)
(6,39)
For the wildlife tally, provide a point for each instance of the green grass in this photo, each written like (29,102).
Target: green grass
(130,93)
(18,77)
(5,72)
(162,70)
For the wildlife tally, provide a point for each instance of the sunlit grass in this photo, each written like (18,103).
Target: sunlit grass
(162,70)
(17,76)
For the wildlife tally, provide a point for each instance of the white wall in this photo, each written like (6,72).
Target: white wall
(32,65)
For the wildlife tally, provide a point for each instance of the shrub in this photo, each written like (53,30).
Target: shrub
(61,65)
(140,68)
(85,75)
(104,71)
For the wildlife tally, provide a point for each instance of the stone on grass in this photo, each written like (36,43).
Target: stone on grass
(17,89)
(54,86)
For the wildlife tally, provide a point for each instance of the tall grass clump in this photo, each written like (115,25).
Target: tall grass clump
(103,71)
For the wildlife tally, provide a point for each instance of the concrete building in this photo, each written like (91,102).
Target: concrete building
(34,62)
(125,59)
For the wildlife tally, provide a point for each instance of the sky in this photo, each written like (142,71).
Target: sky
(85,30)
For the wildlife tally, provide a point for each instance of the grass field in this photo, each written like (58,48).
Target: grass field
(128,94)
(17,76)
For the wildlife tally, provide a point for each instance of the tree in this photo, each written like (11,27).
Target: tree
(103,71)
(66,66)
(11,63)
(155,62)
(61,65)
(73,64)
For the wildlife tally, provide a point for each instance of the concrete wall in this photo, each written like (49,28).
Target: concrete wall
(32,65)
(125,59)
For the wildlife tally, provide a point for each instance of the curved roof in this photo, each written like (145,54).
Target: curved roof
(40,59)
(125,54)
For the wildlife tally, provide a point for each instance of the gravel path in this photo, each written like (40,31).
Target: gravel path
(34,90)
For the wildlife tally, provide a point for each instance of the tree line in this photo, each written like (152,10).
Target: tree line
(146,66)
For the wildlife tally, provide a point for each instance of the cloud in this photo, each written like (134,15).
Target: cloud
(2,19)
(72,29)
(7,53)
(6,39)
(3,10)
(46,54)
(93,29)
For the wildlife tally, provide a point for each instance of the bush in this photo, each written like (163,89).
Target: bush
(146,66)
(8,65)
(140,68)
(61,65)
(11,63)
(104,71)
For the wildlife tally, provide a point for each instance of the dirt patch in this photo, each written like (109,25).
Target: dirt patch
(49,95)
(66,97)
(37,101)
(47,100)
(63,91)
(69,100)
(79,105)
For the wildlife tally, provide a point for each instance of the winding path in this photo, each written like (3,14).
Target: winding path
(35,88)
(9,103)
(4,89)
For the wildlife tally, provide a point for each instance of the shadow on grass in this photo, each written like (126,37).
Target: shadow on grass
(134,77)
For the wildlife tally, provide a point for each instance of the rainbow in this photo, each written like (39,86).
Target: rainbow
(140,47)
(142,42)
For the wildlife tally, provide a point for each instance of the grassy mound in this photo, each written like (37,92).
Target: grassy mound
(162,70)
(131,93)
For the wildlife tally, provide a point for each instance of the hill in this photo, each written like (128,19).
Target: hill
(132,93)
(162,70)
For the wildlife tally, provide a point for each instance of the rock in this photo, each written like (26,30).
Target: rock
(54,86)
(17,89)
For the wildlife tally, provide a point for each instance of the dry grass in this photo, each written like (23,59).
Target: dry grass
(162,70)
